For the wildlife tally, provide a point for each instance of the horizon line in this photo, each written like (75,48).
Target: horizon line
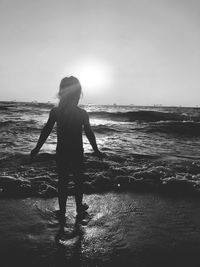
(113,104)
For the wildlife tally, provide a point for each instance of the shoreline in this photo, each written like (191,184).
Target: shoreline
(22,177)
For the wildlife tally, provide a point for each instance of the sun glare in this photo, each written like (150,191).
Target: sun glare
(94,76)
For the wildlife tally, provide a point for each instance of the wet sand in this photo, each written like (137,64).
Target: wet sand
(124,229)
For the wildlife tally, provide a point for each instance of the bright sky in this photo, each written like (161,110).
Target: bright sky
(137,51)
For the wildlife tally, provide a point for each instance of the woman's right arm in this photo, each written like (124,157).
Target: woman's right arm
(45,132)
(90,135)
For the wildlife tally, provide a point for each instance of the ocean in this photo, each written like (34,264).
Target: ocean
(147,148)
(142,196)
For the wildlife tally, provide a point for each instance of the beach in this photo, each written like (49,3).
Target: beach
(100,133)
(130,229)
(143,195)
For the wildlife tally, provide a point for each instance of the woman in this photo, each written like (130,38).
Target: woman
(70,121)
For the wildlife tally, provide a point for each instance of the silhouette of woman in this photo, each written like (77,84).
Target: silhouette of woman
(70,120)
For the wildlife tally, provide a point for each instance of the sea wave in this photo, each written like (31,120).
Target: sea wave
(144,115)
(189,128)
(13,126)
(40,105)
(6,123)
(22,177)
(105,129)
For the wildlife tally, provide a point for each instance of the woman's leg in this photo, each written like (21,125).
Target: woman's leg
(62,196)
(78,189)
(62,190)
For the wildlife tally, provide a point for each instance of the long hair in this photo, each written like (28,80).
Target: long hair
(69,92)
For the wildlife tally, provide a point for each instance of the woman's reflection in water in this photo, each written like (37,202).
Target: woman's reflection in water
(69,246)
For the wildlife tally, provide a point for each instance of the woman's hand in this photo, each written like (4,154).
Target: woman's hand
(34,152)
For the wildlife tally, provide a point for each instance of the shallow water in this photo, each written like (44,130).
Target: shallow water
(122,229)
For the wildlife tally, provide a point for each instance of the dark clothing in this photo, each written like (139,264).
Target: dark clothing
(69,151)
(66,165)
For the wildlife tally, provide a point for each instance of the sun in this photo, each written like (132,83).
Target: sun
(94,76)
(91,76)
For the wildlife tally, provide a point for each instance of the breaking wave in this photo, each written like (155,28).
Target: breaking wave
(145,115)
